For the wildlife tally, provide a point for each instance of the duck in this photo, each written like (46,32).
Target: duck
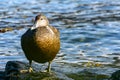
(41,42)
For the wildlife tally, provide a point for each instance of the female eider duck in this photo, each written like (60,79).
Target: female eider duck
(41,42)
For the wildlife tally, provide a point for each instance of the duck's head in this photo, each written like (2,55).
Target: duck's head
(40,21)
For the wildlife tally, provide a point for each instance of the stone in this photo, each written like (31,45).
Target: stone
(17,70)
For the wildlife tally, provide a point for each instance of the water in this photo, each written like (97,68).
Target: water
(90,29)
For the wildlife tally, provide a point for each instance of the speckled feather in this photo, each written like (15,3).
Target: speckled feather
(40,45)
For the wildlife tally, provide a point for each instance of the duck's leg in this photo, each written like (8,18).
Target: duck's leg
(49,66)
(30,68)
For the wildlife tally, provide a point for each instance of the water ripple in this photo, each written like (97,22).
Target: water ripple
(89,29)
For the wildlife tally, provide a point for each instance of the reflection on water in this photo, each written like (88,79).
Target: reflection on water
(89,29)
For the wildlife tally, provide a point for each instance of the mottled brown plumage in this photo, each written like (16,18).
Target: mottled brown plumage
(41,42)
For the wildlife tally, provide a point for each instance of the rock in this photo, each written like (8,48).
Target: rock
(6,29)
(13,69)
(45,76)
(115,75)
(2,75)
(16,70)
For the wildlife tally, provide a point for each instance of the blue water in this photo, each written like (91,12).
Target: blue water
(90,29)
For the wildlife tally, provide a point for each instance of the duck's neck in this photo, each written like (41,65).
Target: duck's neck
(39,24)
(33,27)
(47,27)
(50,30)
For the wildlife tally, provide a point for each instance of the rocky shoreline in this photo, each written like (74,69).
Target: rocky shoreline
(16,70)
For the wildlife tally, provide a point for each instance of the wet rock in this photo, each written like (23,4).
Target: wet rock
(115,75)
(16,70)
(87,75)
(45,76)
(13,69)
(2,75)
(6,29)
